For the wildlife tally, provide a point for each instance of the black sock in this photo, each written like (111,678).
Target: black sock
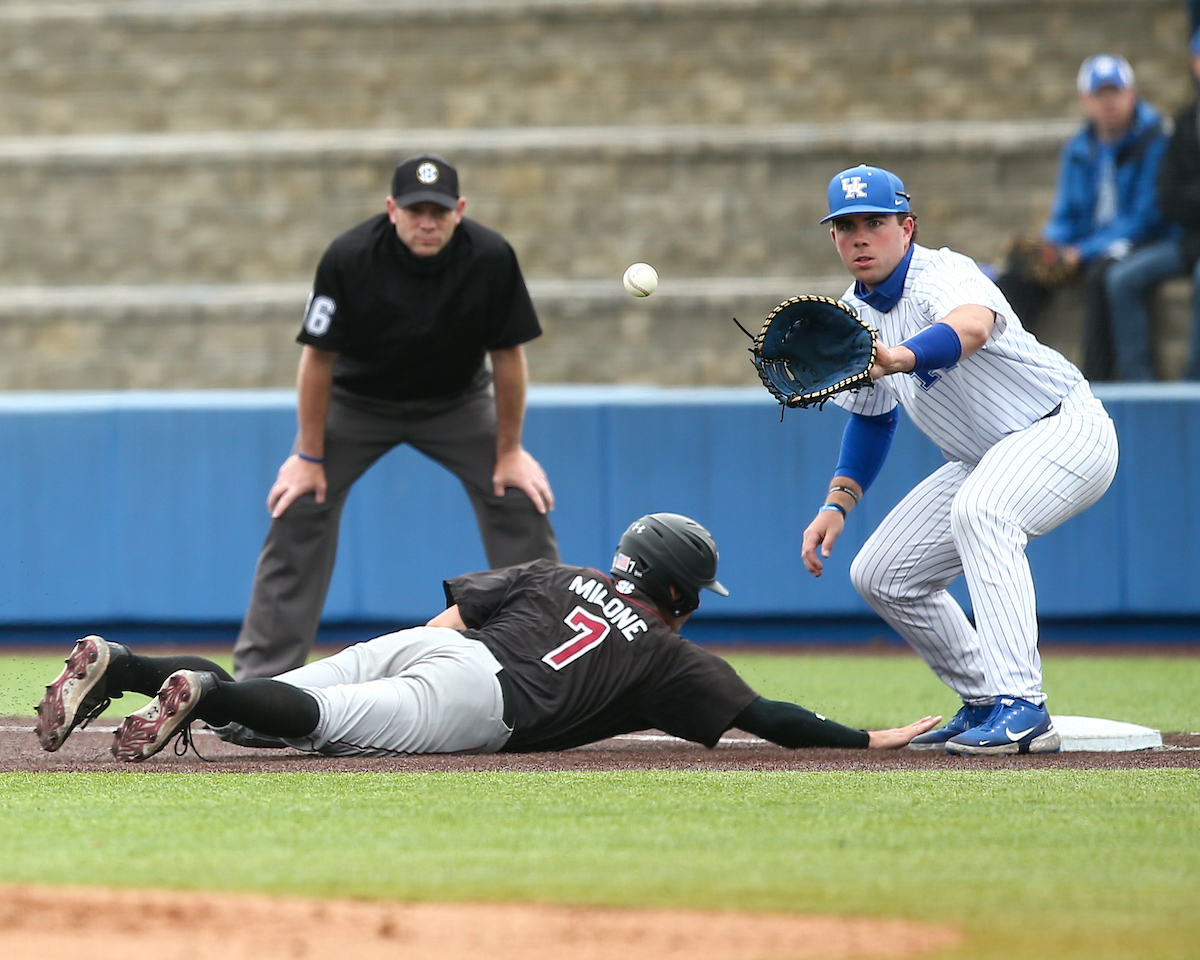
(146,674)
(266,706)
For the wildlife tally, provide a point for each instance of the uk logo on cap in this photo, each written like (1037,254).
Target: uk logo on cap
(865,189)
(854,187)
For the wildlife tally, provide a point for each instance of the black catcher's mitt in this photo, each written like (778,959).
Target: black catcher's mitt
(811,348)
(1032,258)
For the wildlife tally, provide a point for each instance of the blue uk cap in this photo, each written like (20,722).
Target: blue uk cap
(865,189)
(1104,70)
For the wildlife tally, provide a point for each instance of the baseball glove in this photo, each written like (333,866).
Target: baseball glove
(1032,258)
(811,348)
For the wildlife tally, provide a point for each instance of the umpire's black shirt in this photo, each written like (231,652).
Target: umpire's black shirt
(587,657)
(407,327)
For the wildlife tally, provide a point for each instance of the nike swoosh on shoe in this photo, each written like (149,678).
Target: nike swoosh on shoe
(1014,737)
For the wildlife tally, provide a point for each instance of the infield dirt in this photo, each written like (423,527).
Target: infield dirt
(105,924)
(88,749)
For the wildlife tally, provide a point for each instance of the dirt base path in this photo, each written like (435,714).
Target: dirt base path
(650,750)
(102,924)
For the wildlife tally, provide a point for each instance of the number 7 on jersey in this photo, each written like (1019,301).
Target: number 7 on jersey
(590,632)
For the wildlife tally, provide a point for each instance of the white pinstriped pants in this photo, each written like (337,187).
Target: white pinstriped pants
(976,521)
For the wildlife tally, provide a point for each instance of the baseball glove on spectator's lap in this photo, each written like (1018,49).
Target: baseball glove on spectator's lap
(1032,258)
(811,348)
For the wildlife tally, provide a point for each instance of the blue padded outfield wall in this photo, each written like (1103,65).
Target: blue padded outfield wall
(150,506)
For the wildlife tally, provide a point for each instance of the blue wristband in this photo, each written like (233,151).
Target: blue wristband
(305,456)
(834,506)
(936,347)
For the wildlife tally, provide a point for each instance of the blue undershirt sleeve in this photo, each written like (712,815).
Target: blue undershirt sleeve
(865,445)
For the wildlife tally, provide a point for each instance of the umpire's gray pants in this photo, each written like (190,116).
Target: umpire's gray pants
(296,563)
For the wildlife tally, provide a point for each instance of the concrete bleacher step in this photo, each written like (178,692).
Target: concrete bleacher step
(243,335)
(92,66)
(578,202)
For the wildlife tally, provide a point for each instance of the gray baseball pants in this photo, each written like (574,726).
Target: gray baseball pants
(421,690)
(296,564)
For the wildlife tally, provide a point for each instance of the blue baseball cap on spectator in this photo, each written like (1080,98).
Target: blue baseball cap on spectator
(865,189)
(1104,70)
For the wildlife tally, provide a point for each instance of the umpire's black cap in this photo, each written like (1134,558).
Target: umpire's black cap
(427,178)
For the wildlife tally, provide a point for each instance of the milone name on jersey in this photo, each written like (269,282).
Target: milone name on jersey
(613,609)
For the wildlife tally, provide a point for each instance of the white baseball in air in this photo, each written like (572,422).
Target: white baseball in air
(640,279)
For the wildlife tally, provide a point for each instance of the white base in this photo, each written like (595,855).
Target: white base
(1104,736)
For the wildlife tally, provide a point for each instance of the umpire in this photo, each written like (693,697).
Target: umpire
(403,309)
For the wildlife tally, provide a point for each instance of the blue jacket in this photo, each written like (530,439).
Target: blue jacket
(1137,220)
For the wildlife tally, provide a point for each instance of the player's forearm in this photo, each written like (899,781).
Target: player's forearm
(865,445)
(790,725)
(450,617)
(973,323)
(844,492)
(511,378)
(314,387)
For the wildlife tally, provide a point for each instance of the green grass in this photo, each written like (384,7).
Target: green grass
(1058,865)
(1047,864)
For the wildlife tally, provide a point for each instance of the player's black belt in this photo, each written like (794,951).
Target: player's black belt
(510,698)
(1053,413)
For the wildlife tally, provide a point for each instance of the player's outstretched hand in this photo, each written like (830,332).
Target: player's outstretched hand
(296,477)
(826,527)
(519,469)
(900,736)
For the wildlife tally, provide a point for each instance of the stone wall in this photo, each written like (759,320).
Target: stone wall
(170,173)
(132,65)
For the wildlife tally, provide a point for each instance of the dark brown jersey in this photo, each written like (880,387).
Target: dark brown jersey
(588,657)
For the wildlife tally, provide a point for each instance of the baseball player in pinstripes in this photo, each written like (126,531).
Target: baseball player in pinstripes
(1027,447)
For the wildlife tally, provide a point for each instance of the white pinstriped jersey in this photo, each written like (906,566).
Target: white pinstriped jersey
(1012,382)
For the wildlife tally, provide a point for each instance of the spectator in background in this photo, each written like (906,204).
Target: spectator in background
(1131,280)
(1104,202)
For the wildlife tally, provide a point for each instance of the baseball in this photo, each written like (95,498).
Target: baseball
(640,279)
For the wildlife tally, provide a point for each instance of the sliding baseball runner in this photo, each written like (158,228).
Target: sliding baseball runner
(539,656)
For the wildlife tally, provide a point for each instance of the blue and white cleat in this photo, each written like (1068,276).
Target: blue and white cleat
(1014,726)
(966,718)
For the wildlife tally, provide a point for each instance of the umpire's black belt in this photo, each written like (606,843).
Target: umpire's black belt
(510,698)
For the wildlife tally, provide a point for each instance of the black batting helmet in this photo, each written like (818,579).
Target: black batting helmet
(664,550)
